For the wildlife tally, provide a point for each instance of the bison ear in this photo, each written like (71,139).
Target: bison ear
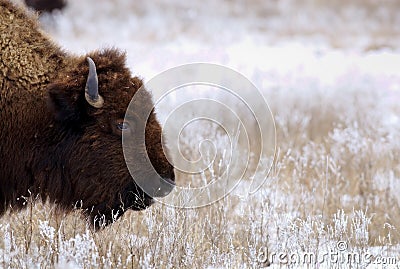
(67,105)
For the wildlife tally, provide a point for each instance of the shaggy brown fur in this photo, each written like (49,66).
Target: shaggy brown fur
(53,143)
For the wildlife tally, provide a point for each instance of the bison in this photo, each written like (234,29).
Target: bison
(62,118)
(46,5)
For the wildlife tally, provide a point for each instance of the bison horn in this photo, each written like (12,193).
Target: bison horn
(92,86)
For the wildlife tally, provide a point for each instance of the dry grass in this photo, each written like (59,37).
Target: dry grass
(369,24)
(335,178)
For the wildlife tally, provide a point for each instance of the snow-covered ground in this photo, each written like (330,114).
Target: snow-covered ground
(330,71)
(255,34)
(273,43)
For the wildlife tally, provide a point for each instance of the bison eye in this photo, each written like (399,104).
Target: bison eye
(122,125)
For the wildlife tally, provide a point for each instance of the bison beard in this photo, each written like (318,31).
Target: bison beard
(61,122)
(130,198)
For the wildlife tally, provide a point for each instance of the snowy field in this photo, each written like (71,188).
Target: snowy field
(330,72)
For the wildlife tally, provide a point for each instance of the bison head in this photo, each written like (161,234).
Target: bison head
(89,101)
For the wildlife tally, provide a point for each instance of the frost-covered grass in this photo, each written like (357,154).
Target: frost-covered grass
(336,175)
(335,178)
